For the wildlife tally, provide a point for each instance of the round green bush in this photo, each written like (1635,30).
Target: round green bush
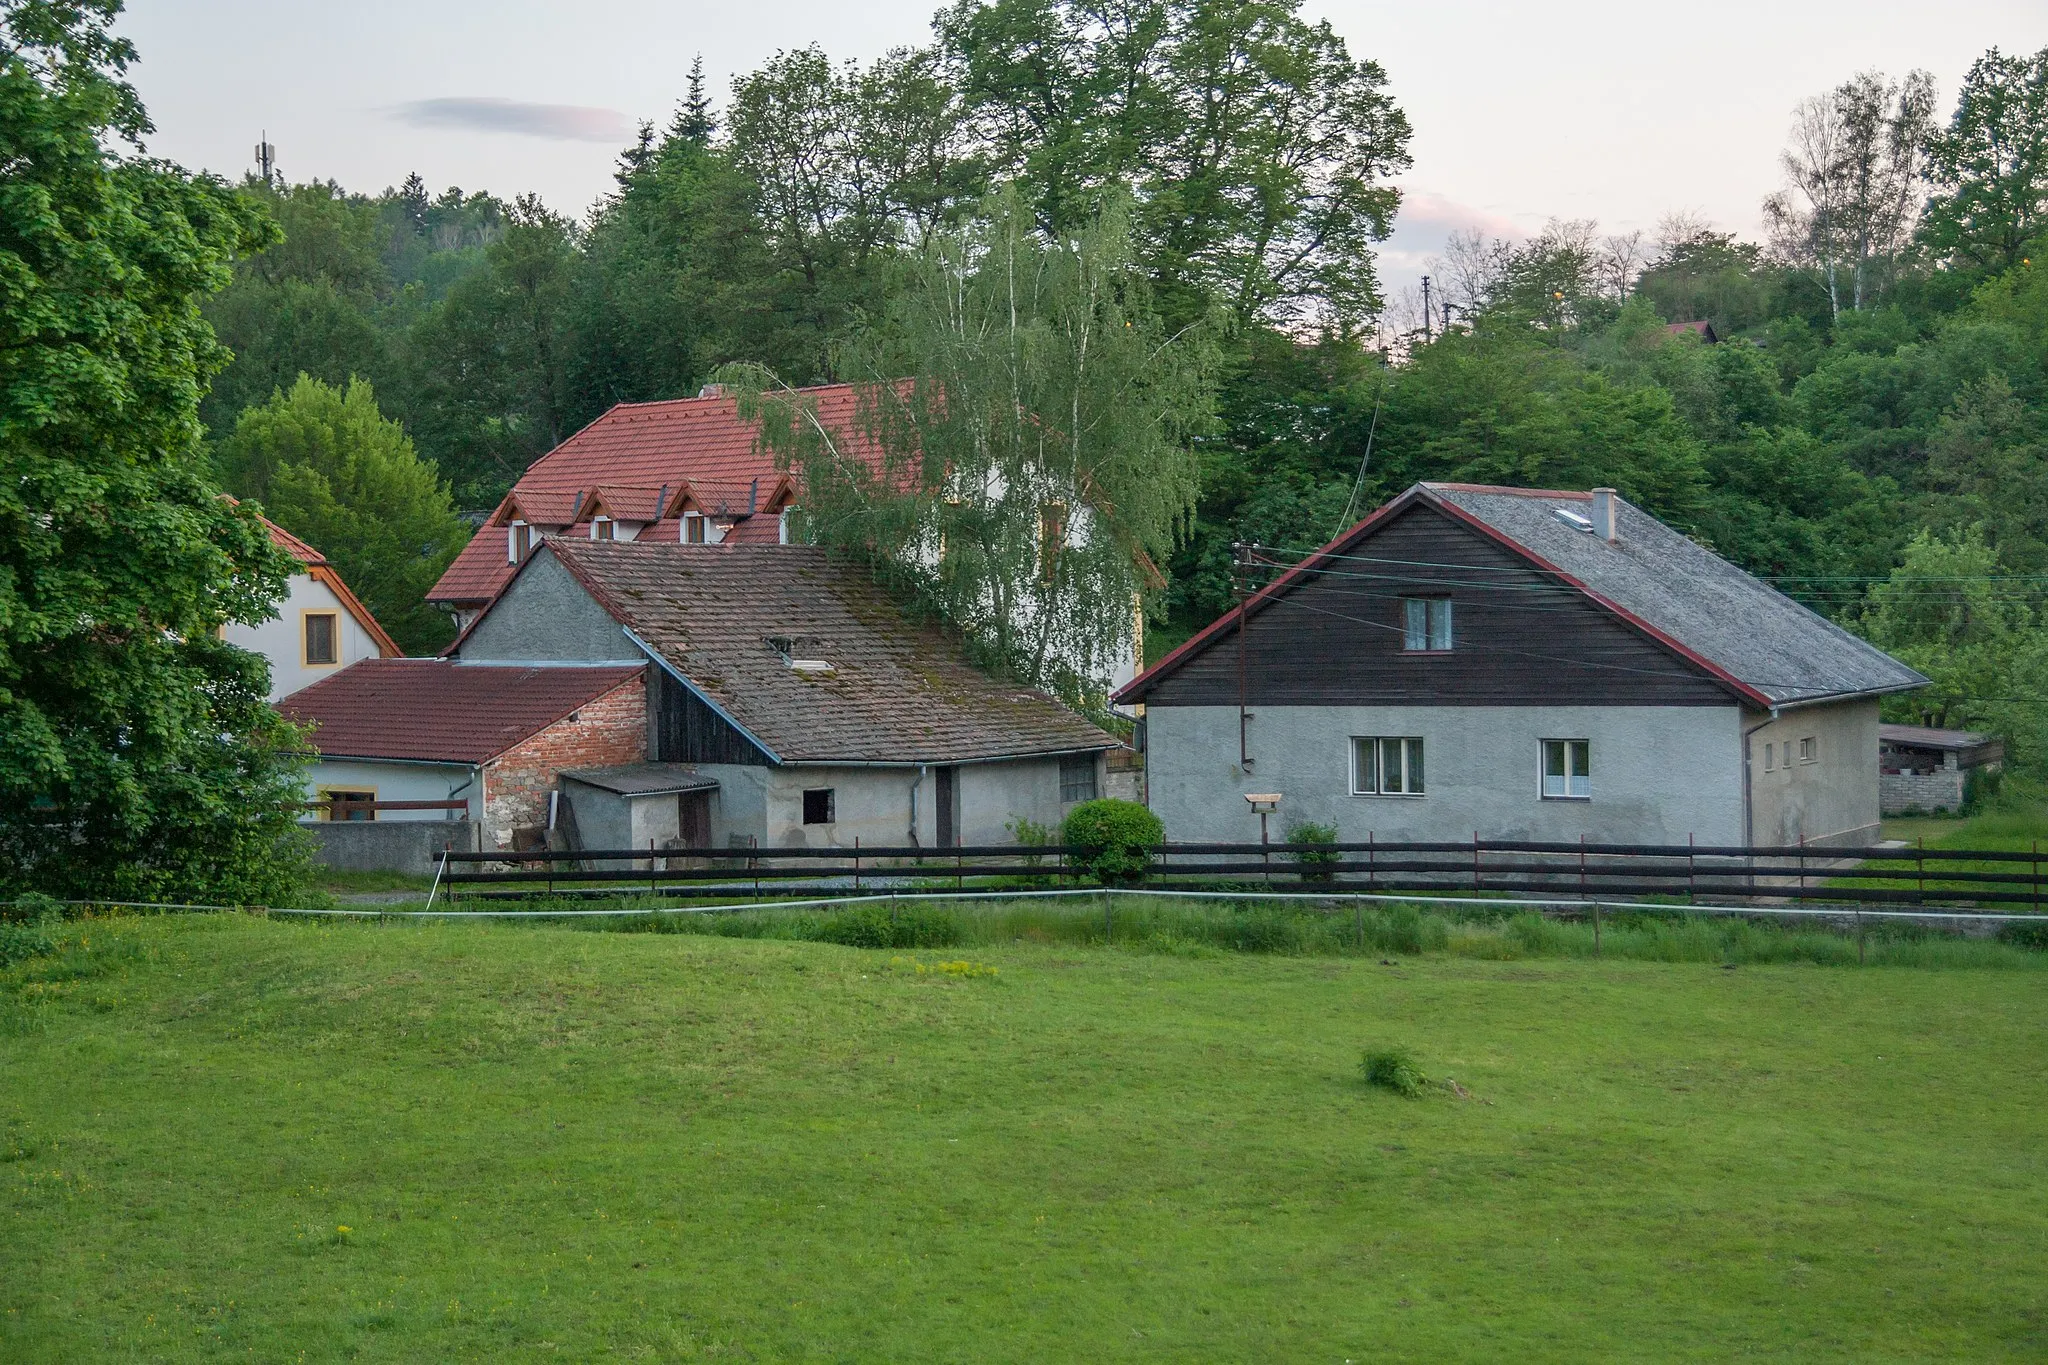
(1113,838)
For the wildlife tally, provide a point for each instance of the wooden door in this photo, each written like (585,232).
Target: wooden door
(694,822)
(948,807)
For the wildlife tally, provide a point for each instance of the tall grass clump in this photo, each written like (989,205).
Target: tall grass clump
(1395,1069)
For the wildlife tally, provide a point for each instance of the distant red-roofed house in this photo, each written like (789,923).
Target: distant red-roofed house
(1702,329)
(685,471)
(321,626)
(491,736)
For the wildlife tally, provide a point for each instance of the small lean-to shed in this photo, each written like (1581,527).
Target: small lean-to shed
(653,806)
(1923,769)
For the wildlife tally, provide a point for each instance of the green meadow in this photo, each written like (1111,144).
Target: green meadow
(228,1137)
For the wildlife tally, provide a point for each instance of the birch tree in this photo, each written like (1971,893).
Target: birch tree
(1028,422)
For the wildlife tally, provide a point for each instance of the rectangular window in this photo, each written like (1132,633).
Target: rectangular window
(818,806)
(518,542)
(693,529)
(1386,766)
(602,529)
(323,638)
(1425,624)
(1809,749)
(1567,769)
(1077,777)
(1770,757)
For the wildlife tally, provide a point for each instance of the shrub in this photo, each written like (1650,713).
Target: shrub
(25,929)
(1315,863)
(1113,838)
(884,926)
(2030,933)
(1395,1069)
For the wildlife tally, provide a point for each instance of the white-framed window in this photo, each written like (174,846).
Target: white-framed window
(1425,624)
(1386,765)
(1809,749)
(1567,770)
(603,528)
(1770,757)
(518,542)
(693,529)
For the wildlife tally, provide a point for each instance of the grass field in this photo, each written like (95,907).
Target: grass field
(229,1138)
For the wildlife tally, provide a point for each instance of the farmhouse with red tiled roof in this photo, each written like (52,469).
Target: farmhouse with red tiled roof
(686,471)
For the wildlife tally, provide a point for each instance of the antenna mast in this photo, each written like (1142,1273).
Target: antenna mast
(266,159)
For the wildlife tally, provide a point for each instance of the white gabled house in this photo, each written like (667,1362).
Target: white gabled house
(321,627)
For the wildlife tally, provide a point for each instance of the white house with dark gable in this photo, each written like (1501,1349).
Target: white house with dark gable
(1520,664)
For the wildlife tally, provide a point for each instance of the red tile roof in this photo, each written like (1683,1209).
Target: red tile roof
(437,709)
(292,545)
(697,447)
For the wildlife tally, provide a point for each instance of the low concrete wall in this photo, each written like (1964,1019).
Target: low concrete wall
(390,845)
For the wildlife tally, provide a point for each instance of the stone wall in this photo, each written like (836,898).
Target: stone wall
(609,730)
(1941,789)
(389,845)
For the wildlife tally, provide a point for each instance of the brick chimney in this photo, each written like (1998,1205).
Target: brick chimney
(1604,523)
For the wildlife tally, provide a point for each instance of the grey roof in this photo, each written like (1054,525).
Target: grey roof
(895,692)
(1689,594)
(643,779)
(1922,737)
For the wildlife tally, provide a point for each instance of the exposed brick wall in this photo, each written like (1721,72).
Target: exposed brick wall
(612,729)
(1941,789)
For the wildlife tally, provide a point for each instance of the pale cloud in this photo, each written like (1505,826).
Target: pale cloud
(564,122)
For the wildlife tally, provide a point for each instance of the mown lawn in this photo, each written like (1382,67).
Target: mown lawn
(548,1144)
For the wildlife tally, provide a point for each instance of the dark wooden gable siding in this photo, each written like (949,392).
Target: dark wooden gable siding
(1521,637)
(685,730)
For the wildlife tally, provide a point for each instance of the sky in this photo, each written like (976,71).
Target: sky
(1523,112)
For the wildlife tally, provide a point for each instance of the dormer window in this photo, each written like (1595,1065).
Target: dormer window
(518,542)
(603,528)
(694,527)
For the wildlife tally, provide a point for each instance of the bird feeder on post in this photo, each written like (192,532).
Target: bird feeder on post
(1265,803)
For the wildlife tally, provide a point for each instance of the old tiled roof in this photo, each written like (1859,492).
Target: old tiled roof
(440,710)
(695,442)
(1922,737)
(895,692)
(1757,642)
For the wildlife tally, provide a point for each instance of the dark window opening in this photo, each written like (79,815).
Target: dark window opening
(818,806)
(348,805)
(1077,777)
(320,638)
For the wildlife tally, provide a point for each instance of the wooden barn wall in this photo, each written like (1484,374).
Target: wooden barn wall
(688,731)
(1520,637)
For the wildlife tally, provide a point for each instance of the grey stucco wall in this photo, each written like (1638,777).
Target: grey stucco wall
(395,846)
(1833,799)
(1660,774)
(546,615)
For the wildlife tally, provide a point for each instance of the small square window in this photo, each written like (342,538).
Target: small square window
(1386,766)
(1809,749)
(323,631)
(1077,777)
(1567,769)
(818,806)
(1425,624)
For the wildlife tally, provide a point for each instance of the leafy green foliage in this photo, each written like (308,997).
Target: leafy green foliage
(327,466)
(890,926)
(1314,863)
(1395,1069)
(1990,165)
(1113,837)
(138,758)
(1034,464)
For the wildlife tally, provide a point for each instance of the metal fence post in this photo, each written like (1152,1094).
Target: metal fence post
(1692,895)
(1108,922)
(856,864)
(1596,928)
(1475,860)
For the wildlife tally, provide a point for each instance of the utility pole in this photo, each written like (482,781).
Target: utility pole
(1425,308)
